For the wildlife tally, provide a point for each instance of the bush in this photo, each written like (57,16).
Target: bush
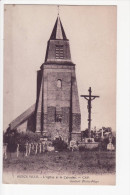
(82,148)
(97,139)
(27,137)
(12,138)
(103,144)
(59,145)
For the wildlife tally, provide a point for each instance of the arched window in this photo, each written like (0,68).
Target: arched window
(59,83)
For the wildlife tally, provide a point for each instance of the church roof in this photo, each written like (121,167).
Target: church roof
(22,117)
(58,31)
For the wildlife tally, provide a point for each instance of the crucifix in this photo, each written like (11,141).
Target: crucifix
(89,98)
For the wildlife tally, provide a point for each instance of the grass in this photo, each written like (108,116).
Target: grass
(66,162)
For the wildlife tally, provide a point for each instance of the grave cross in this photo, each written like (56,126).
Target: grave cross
(89,98)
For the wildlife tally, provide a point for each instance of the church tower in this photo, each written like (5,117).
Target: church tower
(56,112)
(57,105)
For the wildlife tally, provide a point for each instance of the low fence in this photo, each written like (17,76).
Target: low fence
(29,149)
(42,147)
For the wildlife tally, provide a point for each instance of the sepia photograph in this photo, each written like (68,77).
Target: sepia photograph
(59,94)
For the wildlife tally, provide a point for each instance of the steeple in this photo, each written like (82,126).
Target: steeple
(58,31)
(58,49)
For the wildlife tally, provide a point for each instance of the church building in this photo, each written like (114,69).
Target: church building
(56,111)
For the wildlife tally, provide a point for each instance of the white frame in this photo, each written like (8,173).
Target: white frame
(123,107)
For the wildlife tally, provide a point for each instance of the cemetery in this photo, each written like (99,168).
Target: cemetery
(65,162)
(42,155)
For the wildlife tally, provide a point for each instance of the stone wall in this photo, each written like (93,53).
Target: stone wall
(76,137)
(76,122)
(60,102)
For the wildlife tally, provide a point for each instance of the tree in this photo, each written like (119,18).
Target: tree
(103,143)
(114,140)
(9,137)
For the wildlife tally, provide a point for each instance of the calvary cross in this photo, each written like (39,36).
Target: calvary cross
(89,98)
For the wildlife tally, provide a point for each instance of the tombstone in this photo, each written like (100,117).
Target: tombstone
(50,148)
(29,148)
(110,147)
(40,148)
(36,146)
(32,146)
(44,146)
(26,147)
(17,150)
(73,145)
(5,151)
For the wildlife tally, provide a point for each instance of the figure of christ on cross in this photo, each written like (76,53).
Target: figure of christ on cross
(89,98)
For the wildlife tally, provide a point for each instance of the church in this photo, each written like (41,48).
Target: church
(56,111)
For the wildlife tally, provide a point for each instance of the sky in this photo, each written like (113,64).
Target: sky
(91,31)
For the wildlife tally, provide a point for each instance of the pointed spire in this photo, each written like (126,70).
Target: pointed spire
(58,31)
(58,49)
